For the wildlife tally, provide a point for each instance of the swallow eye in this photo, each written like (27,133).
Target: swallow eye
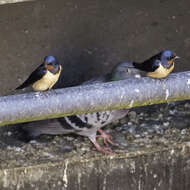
(170,58)
(51,63)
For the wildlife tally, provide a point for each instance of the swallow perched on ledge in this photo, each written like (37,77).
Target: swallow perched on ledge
(45,76)
(157,66)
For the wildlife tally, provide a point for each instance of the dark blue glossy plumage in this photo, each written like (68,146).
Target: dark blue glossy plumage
(36,75)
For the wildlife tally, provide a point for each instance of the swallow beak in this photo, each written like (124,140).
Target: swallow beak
(177,57)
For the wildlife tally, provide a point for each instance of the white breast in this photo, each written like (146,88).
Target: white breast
(161,72)
(47,81)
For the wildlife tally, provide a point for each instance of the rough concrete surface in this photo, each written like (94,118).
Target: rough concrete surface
(165,168)
(153,153)
(89,37)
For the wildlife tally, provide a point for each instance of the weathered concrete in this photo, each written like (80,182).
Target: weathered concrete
(88,37)
(156,168)
(154,151)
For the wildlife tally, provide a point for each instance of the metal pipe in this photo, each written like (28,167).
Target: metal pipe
(90,98)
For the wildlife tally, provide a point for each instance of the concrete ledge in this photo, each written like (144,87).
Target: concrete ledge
(155,168)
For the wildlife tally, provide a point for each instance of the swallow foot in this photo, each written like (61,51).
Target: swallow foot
(44,93)
(54,91)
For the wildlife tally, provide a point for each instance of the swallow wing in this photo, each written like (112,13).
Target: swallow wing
(156,64)
(34,76)
(149,65)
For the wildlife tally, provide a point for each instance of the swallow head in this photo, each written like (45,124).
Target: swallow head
(51,64)
(167,58)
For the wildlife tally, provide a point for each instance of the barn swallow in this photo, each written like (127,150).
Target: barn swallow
(45,76)
(159,65)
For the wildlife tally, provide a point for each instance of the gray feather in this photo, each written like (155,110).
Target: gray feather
(34,129)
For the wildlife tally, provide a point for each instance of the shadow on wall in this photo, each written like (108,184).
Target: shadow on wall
(78,66)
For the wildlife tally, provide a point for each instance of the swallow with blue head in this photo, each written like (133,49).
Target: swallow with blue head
(45,76)
(159,65)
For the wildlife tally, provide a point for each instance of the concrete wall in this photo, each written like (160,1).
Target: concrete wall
(155,169)
(88,37)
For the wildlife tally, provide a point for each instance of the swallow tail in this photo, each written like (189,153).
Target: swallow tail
(34,76)
(24,85)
